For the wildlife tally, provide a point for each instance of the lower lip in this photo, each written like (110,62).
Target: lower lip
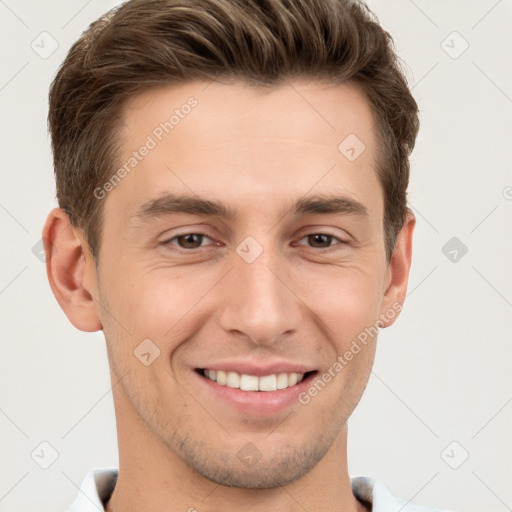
(257,402)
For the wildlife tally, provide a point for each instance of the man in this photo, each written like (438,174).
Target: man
(231,178)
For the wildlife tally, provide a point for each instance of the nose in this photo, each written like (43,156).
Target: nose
(260,301)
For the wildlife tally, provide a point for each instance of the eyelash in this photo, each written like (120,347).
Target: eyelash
(322,249)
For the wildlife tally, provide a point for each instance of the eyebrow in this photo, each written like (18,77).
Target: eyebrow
(170,204)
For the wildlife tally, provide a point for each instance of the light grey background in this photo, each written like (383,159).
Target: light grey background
(442,373)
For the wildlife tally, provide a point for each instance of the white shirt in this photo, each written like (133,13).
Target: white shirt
(98,485)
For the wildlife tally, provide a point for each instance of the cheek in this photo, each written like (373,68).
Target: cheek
(347,299)
(151,301)
(163,305)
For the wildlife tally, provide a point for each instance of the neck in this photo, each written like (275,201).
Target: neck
(152,477)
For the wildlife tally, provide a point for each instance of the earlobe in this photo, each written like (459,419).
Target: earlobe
(398,273)
(66,265)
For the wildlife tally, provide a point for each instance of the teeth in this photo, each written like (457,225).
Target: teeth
(282,381)
(212,374)
(233,380)
(248,383)
(252,382)
(221,377)
(268,383)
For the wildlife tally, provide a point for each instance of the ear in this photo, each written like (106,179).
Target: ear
(397,273)
(69,265)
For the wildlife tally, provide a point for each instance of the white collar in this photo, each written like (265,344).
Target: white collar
(98,484)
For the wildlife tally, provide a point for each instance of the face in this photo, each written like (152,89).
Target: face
(244,246)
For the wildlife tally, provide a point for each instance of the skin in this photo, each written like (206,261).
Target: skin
(302,300)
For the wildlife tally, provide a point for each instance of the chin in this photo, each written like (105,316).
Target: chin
(252,468)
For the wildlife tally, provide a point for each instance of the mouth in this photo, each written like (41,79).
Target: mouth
(245,382)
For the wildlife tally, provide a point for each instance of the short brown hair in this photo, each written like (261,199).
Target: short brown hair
(146,43)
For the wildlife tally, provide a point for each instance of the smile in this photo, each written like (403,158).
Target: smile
(246,382)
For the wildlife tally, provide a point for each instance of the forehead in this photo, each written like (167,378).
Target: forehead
(232,141)
(327,110)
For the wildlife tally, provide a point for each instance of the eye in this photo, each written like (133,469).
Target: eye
(188,240)
(320,240)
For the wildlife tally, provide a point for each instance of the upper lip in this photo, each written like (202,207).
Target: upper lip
(259,369)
